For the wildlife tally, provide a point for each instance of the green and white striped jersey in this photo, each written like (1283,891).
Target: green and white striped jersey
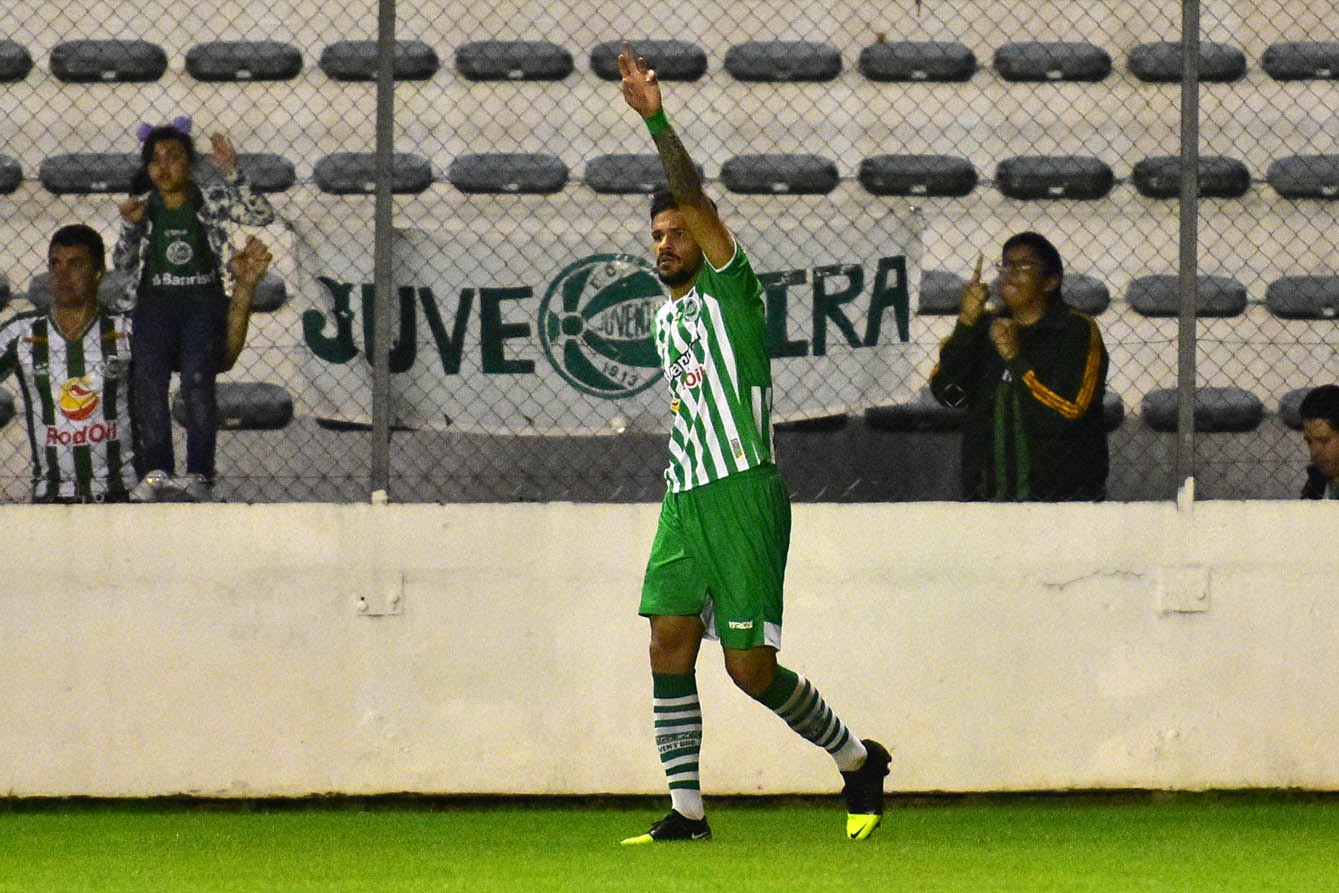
(712,344)
(75,396)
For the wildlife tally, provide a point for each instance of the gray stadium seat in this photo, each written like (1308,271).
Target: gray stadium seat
(5,293)
(244,60)
(267,172)
(783,60)
(1039,60)
(1303,297)
(1302,60)
(926,60)
(1216,410)
(270,294)
(627,173)
(1054,177)
(1158,296)
(1219,177)
(11,175)
(1160,62)
(1085,293)
(821,423)
(347,173)
(941,293)
(917,175)
(533,172)
(795,174)
(1113,410)
(672,60)
(15,61)
(7,408)
(246,405)
(86,61)
(922,414)
(1290,407)
(84,172)
(1305,176)
(356,60)
(501,60)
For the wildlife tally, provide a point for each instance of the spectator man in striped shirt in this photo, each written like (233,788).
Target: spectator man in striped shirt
(718,560)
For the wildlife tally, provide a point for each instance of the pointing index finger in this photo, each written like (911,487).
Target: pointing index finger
(976,274)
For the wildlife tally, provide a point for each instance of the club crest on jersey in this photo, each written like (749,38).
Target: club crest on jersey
(179,253)
(597,324)
(78,399)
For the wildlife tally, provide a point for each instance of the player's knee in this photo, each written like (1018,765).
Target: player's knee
(751,676)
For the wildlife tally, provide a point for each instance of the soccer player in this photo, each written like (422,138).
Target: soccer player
(73,365)
(719,556)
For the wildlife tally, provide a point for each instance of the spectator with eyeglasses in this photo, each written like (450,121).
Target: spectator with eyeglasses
(1032,375)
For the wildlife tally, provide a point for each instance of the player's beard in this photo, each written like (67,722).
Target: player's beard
(681,276)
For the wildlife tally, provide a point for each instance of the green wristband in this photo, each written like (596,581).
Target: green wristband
(657,122)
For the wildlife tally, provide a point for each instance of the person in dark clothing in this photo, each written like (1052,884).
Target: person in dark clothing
(1031,375)
(1320,430)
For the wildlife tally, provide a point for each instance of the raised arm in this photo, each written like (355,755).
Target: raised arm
(641,90)
(248,265)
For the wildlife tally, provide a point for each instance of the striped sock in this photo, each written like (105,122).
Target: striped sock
(678,724)
(797,701)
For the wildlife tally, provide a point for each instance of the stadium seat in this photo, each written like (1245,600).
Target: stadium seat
(783,60)
(1216,410)
(1160,62)
(922,414)
(925,60)
(1113,410)
(781,172)
(346,173)
(267,172)
(941,293)
(1037,60)
(1303,297)
(7,408)
(1290,407)
(270,294)
(1305,176)
(1302,60)
(672,60)
(85,172)
(821,423)
(917,175)
(1085,294)
(516,60)
(245,405)
(1219,177)
(5,293)
(88,61)
(15,61)
(244,60)
(11,175)
(508,172)
(627,173)
(1159,296)
(1054,177)
(356,60)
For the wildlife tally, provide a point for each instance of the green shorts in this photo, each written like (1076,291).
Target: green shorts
(720,553)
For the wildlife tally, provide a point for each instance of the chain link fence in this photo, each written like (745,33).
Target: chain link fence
(865,155)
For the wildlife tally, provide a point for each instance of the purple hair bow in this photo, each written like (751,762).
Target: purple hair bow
(181,124)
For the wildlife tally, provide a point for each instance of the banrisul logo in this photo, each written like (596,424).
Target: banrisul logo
(597,324)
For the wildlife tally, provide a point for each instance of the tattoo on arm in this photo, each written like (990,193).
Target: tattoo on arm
(684,182)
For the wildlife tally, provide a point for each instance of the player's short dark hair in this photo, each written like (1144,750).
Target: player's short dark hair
(663,200)
(76,234)
(1322,403)
(1042,247)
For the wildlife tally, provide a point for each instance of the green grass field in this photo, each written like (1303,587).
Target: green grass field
(1246,841)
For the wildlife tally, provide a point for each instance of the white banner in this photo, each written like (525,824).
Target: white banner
(530,315)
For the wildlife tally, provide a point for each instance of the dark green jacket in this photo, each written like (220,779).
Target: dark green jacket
(1034,427)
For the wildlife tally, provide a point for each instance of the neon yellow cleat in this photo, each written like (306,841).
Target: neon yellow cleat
(859,825)
(672,827)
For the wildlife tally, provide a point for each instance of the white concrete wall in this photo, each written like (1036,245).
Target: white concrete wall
(223,650)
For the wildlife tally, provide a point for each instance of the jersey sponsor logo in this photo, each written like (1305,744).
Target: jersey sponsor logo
(94,433)
(686,371)
(597,324)
(740,624)
(78,399)
(174,281)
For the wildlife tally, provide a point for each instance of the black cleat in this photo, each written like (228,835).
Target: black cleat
(863,791)
(673,827)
